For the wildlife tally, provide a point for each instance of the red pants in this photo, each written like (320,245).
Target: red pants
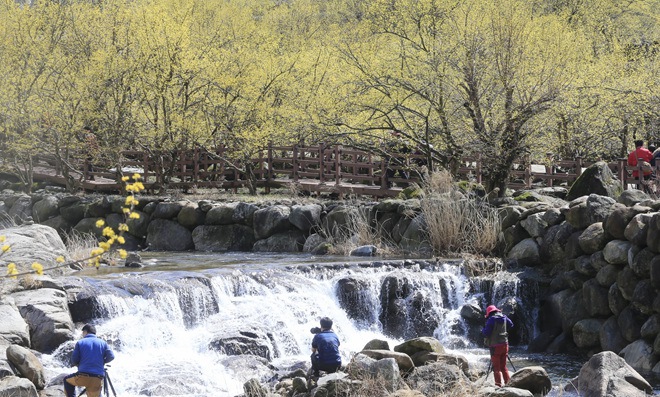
(498,355)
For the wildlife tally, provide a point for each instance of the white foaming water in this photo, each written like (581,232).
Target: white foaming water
(162,342)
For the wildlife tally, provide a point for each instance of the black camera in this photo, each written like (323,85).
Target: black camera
(315,330)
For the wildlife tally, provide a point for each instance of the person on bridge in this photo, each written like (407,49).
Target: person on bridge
(90,355)
(497,339)
(640,154)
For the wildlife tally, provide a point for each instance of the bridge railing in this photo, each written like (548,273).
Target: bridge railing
(329,165)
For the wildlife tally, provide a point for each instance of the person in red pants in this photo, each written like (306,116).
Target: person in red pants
(497,339)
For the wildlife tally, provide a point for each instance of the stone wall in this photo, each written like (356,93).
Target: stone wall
(166,225)
(604,256)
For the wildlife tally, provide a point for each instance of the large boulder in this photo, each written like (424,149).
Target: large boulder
(13,329)
(535,379)
(46,208)
(403,360)
(19,387)
(639,355)
(33,243)
(607,374)
(271,220)
(436,378)
(421,344)
(167,235)
(598,179)
(304,217)
(220,238)
(28,365)
(47,313)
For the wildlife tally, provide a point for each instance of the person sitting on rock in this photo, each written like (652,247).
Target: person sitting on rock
(325,349)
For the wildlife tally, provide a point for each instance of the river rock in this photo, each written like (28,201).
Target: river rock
(616,252)
(421,344)
(615,299)
(13,329)
(384,369)
(554,241)
(597,178)
(414,238)
(355,298)
(639,355)
(404,361)
(630,323)
(140,227)
(436,378)
(534,224)
(47,314)
(653,233)
(313,241)
(595,299)
(651,328)
(19,387)
(290,241)
(28,365)
(637,229)
(534,378)
(618,219)
(607,374)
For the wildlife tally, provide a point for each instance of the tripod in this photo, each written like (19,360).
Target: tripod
(106,382)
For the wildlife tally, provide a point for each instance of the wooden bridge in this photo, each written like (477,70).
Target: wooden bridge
(322,169)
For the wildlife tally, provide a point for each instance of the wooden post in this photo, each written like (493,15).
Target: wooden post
(578,162)
(479,168)
(550,170)
(623,173)
(370,170)
(528,172)
(294,164)
(196,165)
(337,165)
(270,162)
(383,172)
(321,163)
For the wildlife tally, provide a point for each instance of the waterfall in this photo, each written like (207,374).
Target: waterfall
(174,331)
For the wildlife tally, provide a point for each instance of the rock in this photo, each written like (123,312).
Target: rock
(271,220)
(133,259)
(28,365)
(376,344)
(436,378)
(616,252)
(386,370)
(33,243)
(403,360)
(631,197)
(606,374)
(312,242)
(222,214)
(46,208)
(610,336)
(221,238)
(252,388)
(421,344)
(598,179)
(364,250)
(593,238)
(354,297)
(639,355)
(630,323)
(637,229)
(167,235)
(554,242)
(595,299)
(414,238)
(534,224)
(305,217)
(244,213)
(426,357)
(290,241)
(47,313)
(13,329)
(190,216)
(534,378)
(140,227)
(166,210)
(615,299)
(19,387)
(586,333)
(525,253)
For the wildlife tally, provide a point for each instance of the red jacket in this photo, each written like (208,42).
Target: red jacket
(643,154)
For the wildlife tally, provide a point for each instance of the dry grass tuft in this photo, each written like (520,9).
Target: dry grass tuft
(458,224)
(358,231)
(80,245)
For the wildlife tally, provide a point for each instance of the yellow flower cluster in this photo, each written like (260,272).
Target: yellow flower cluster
(38,268)
(11,270)
(108,232)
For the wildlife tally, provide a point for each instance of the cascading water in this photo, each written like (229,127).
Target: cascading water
(178,332)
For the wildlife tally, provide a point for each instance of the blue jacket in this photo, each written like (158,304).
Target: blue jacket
(91,354)
(326,344)
(496,328)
